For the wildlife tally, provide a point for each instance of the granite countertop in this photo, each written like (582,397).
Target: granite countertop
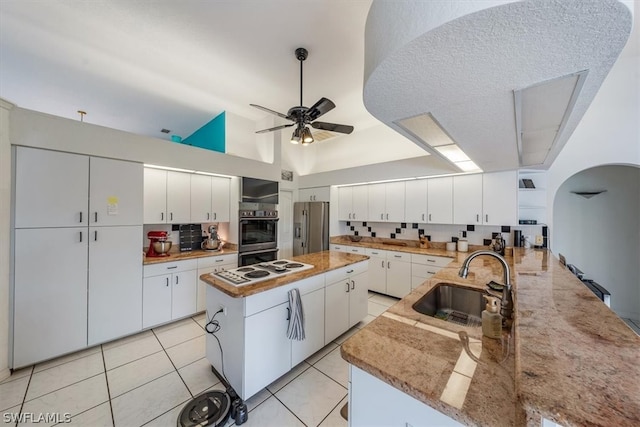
(567,357)
(322,262)
(435,248)
(181,256)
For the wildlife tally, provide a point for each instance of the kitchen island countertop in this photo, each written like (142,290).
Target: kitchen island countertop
(321,261)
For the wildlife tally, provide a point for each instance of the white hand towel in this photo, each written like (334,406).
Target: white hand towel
(295,331)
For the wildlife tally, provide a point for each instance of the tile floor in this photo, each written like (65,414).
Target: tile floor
(147,378)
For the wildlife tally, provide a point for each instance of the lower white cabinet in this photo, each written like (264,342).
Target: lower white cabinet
(425,266)
(115,282)
(390,272)
(370,399)
(209,265)
(50,294)
(313,304)
(169,291)
(345,299)
(348,249)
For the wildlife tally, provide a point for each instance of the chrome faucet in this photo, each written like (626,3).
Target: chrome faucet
(506,298)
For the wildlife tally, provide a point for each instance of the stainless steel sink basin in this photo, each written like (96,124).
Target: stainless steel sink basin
(452,303)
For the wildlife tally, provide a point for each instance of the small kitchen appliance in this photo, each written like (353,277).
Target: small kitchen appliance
(159,243)
(212,243)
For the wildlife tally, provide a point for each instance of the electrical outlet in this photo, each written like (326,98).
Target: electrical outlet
(224,310)
(539,240)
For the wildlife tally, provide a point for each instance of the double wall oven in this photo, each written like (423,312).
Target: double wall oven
(258,237)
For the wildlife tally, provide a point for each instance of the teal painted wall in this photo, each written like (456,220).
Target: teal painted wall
(210,136)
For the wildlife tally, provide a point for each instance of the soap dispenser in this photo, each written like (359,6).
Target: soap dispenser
(491,318)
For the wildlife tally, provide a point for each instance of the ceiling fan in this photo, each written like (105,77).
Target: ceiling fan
(303,116)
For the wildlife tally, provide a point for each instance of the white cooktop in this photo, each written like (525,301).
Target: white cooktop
(250,274)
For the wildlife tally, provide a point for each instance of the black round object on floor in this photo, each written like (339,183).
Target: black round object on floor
(208,408)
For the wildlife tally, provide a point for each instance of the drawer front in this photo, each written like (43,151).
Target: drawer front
(170,267)
(355,250)
(343,273)
(398,256)
(438,261)
(417,281)
(214,261)
(376,253)
(265,300)
(338,248)
(425,271)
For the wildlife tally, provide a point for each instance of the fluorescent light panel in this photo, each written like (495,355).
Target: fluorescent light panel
(542,111)
(169,168)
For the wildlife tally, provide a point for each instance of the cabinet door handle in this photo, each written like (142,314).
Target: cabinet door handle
(95,235)
(288,313)
(95,217)
(161,216)
(171,216)
(218,260)
(388,264)
(431,260)
(398,256)
(349,215)
(81,237)
(387,216)
(177,279)
(172,267)
(431,272)
(429,217)
(167,281)
(347,286)
(354,215)
(381,216)
(80,217)
(353,285)
(486,218)
(423,217)
(382,263)
(349,271)
(208,216)
(477,218)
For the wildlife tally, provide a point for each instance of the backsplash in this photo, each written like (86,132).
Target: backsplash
(475,234)
(223,232)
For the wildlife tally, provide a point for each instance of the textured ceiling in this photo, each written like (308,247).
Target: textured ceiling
(461,64)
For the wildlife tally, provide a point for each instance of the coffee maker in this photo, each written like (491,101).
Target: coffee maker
(159,244)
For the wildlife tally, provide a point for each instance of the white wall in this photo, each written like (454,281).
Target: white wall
(242,141)
(601,235)
(5,231)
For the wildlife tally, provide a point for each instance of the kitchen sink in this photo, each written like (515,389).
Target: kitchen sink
(452,303)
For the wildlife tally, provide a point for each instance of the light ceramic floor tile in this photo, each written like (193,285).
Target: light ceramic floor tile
(321,353)
(257,399)
(10,415)
(68,358)
(168,419)
(179,334)
(100,416)
(334,419)
(130,351)
(272,413)
(311,396)
(12,393)
(199,317)
(134,374)
(375,309)
(364,322)
(60,376)
(385,300)
(126,340)
(18,373)
(342,338)
(147,402)
(198,376)
(187,352)
(335,367)
(71,400)
(288,377)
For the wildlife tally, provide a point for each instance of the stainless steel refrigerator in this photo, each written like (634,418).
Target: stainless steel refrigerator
(310,227)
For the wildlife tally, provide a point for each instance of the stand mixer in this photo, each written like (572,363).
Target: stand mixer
(159,244)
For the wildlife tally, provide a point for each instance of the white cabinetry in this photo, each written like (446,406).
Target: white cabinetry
(178,197)
(167,196)
(208,265)
(315,194)
(345,300)
(348,249)
(371,398)
(353,203)
(115,193)
(467,199)
(440,200)
(390,272)
(220,199)
(50,296)
(416,201)
(210,197)
(386,202)
(424,267)
(169,291)
(499,198)
(313,305)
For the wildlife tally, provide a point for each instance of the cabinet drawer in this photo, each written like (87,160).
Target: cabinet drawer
(214,261)
(339,274)
(354,250)
(338,248)
(398,256)
(439,261)
(268,299)
(376,253)
(425,271)
(170,267)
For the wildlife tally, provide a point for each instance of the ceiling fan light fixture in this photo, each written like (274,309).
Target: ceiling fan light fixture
(307,138)
(296,137)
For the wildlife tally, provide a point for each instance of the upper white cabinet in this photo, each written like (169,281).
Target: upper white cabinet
(51,189)
(220,199)
(178,197)
(353,203)
(386,202)
(115,196)
(201,198)
(167,197)
(316,194)
(440,200)
(499,198)
(415,205)
(467,199)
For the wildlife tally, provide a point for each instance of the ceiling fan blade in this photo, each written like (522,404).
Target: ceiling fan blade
(260,107)
(321,107)
(275,128)
(333,127)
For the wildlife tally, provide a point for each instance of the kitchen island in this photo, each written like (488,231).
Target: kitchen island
(251,321)
(567,358)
